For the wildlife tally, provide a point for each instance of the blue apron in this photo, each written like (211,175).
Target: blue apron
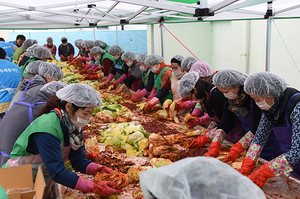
(284,136)
(272,147)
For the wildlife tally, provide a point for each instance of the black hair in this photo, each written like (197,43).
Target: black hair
(2,53)
(174,60)
(202,89)
(22,37)
(1,39)
(65,40)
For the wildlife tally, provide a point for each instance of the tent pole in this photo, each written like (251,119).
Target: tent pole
(162,41)
(152,39)
(269,25)
(117,39)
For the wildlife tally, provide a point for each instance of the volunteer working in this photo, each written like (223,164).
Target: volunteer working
(57,134)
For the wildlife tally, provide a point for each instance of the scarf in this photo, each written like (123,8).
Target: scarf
(274,112)
(75,135)
(237,105)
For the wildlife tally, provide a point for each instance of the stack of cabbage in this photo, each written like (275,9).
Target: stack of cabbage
(109,113)
(132,138)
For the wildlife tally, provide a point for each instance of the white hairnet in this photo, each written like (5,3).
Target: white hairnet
(129,55)
(187,63)
(265,84)
(198,177)
(49,70)
(97,49)
(153,59)
(202,68)
(100,43)
(27,43)
(227,78)
(29,51)
(50,39)
(53,87)
(187,83)
(64,38)
(115,50)
(35,41)
(179,58)
(33,67)
(141,58)
(82,95)
(41,52)
(88,43)
(78,42)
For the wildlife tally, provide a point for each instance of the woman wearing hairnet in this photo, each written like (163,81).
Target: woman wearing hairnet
(162,73)
(32,69)
(281,113)
(51,46)
(223,121)
(56,135)
(23,113)
(187,63)
(28,56)
(27,43)
(147,83)
(231,84)
(82,52)
(119,70)
(102,45)
(48,72)
(134,74)
(65,50)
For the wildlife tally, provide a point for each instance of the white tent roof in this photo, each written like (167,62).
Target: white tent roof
(33,14)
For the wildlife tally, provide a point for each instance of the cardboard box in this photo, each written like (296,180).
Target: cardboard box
(21,177)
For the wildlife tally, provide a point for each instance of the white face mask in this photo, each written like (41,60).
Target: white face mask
(65,44)
(230,95)
(97,58)
(143,68)
(116,57)
(80,122)
(263,105)
(129,63)
(178,74)
(154,69)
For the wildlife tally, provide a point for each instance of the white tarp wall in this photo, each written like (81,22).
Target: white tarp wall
(238,45)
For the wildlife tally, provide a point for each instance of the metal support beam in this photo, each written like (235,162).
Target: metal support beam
(152,39)
(162,42)
(268,45)
(117,36)
(242,5)
(136,14)
(107,14)
(287,9)
(221,5)
(160,5)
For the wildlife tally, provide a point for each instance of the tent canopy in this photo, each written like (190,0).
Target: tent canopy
(32,14)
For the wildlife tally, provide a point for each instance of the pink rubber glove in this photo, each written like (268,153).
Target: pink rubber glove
(198,111)
(139,95)
(86,68)
(103,188)
(152,94)
(93,169)
(109,78)
(184,105)
(62,57)
(92,68)
(151,103)
(204,119)
(88,59)
(71,57)
(121,79)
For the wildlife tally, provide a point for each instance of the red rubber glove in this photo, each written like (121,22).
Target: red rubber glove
(71,57)
(193,122)
(85,68)
(103,188)
(93,169)
(105,85)
(92,68)
(247,167)
(184,105)
(63,58)
(89,154)
(151,103)
(152,94)
(148,99)
(200,141)
(214,149)
(235,150)
(136,97)
(260,176)
(115,84)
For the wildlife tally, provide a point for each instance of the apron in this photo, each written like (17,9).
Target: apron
(284,136)
(272,147)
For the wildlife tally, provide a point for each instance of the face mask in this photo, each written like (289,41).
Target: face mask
(129,63)
(80,122)
(230,95)
(263,105)
(178,74)
(65,44)
(116,57)
(143,68)
(97,58)
(154,69)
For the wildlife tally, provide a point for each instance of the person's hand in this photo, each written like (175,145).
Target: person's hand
(214,150)
(135,98)
(115,84)
(93,169)
(192,122)
(63,58)
(200,141)
(148,99)
(235,150)
(105,85)
(179,106)
(150,104)
(104,188)
(260,176)
(247,166)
